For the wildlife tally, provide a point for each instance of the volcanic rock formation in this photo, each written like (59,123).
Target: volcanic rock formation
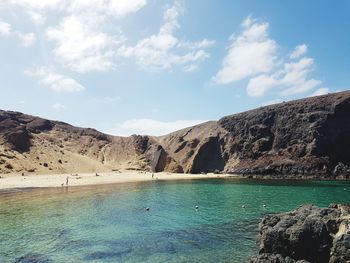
(307,234)
(308,137)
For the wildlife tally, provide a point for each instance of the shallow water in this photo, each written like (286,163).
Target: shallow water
(111,224)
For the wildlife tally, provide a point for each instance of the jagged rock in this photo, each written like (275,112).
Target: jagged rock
(309,233)
(297,139)
(208,157)
(141,143)
(274,258)
(14,135)
(313,133)
(39,125)
(92,133)
(341,170)
(161,161)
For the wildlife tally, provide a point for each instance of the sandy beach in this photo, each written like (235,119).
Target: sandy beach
(8,182)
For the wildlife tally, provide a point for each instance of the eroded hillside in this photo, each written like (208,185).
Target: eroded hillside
(298,138)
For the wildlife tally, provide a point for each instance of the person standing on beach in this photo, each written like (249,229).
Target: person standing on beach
(67,181)
(152,175)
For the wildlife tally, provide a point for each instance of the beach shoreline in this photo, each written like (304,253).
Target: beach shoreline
(13,183)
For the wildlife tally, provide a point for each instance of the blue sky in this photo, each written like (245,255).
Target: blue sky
(152,66)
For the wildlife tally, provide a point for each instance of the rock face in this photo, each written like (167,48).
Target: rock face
(303,138)
(308,137)
(208,157)
(307,234)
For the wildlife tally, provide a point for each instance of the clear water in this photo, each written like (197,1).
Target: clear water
(111,224)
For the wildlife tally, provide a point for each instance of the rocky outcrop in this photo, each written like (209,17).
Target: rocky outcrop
(208,157)
(302,138)
(307,234)
(156,158)
(14,133)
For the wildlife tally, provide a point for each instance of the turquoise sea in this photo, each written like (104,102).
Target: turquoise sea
(111,224)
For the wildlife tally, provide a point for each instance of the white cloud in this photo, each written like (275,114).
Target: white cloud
(299,51)
(190,68)
(27,40)
(80,40)
(259,85)
(58,106)
(5,28)
(123,7)
(164,50)
(205,43)
(37,4)
(81,46)
(38,9)
(37,17)
(108,7)
(320,91)
(88,37)
(292,79)
(55,81)
(253,55)
(104,100)
(296,77)
(151,127)
(250,53)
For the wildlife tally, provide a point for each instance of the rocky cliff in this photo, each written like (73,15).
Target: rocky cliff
(307,234)
(308,137)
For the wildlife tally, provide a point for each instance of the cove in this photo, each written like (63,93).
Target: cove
(110,223)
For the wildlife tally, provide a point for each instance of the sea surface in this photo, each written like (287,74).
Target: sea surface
(111,223)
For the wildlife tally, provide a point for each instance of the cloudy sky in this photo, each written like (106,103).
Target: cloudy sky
(154,66)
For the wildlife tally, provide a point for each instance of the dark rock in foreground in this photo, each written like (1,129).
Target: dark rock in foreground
(307,234)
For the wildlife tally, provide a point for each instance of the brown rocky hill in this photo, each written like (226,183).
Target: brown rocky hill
(299,138)
(32,144)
